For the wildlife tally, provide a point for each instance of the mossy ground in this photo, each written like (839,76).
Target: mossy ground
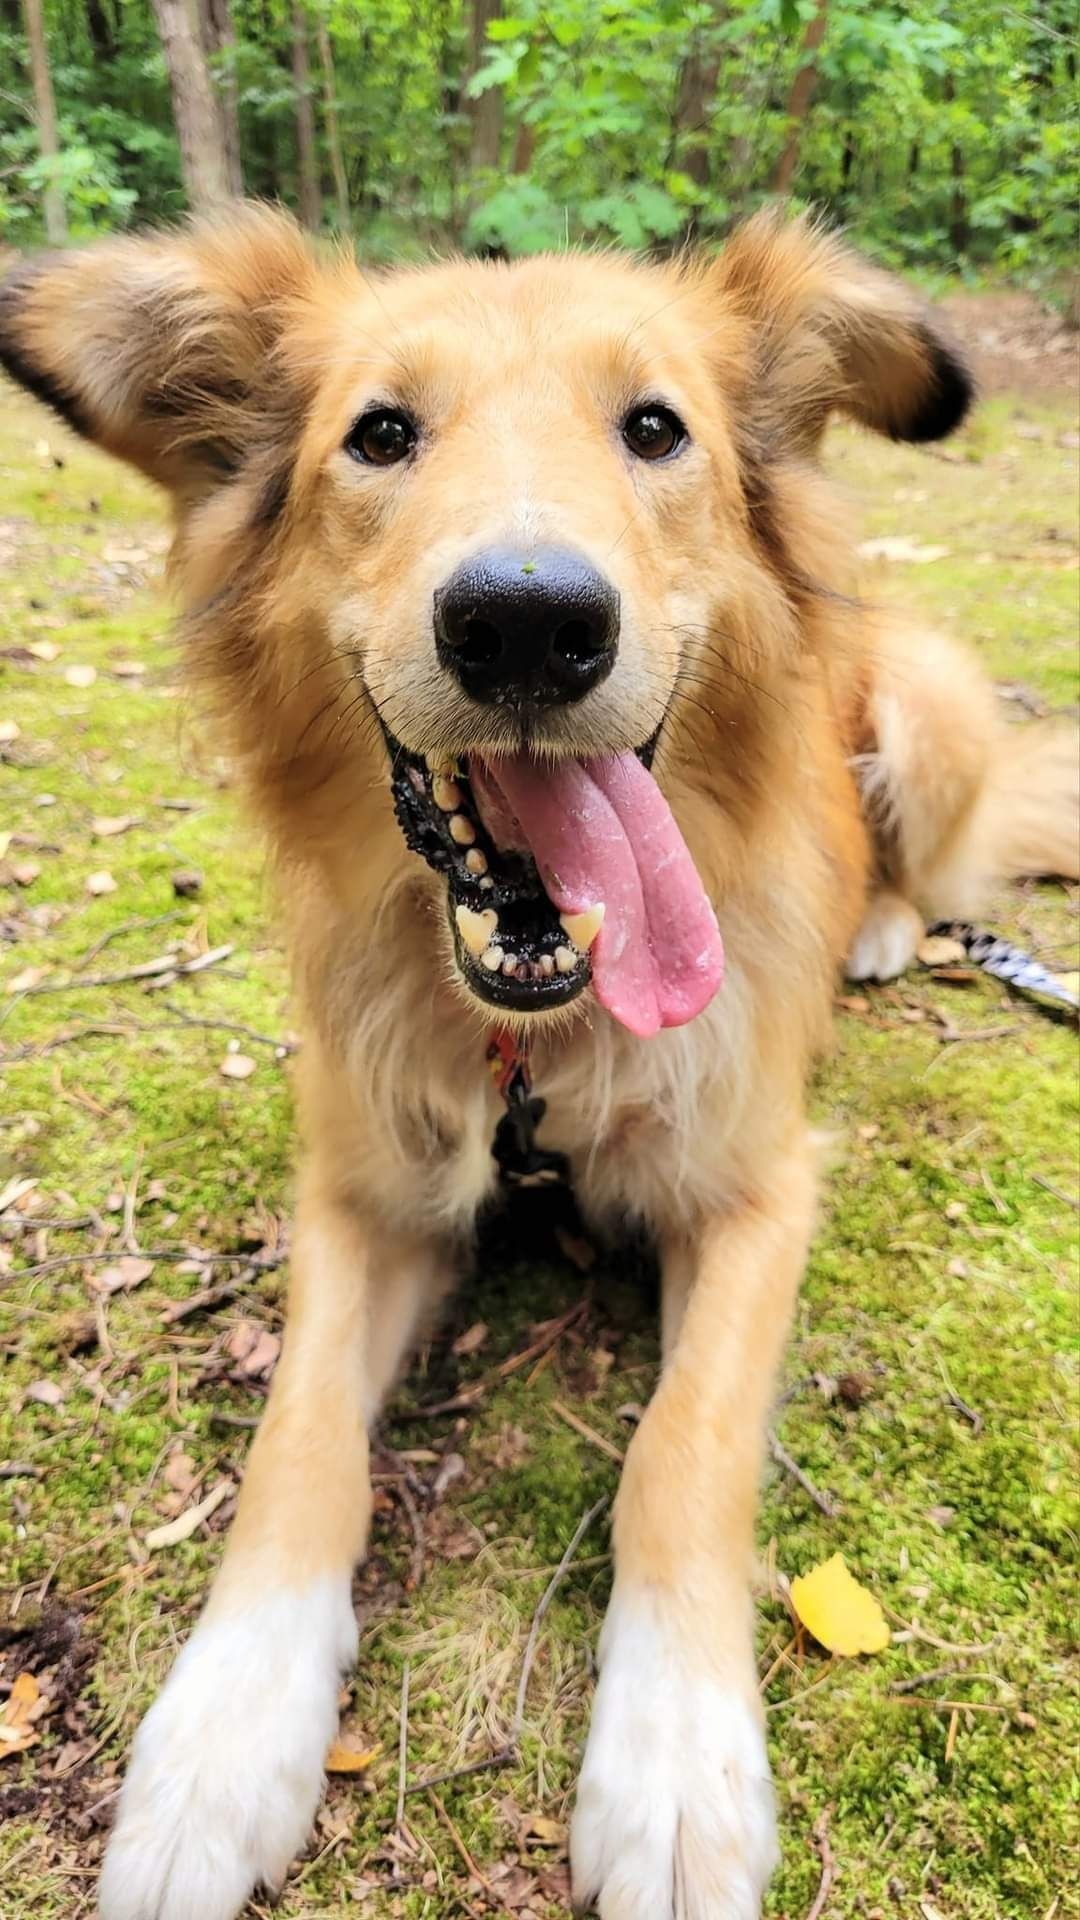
(945,1266)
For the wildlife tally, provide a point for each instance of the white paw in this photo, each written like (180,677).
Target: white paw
(226,1769)
(674,1817)
(887,941)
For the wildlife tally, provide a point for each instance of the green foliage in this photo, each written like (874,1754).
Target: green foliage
(941,138)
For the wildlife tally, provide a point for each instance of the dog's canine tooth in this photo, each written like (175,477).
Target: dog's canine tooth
(446,793)
(477,930)
(492,959)
(442,765)
(476,861)
(462,829)
(582,928)
(566,959)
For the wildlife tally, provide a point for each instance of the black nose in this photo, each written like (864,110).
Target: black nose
(519,627)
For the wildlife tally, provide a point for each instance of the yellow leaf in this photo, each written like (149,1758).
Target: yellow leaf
(17,1731)
(838,1611)
(345,1759)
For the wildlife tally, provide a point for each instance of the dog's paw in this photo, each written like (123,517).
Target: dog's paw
(227,1766)
(887,941)
(674,1812)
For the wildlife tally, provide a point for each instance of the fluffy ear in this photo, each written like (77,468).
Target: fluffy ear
(161,348)
(828,331)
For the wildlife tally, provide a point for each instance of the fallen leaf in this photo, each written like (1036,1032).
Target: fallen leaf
(16,1189)
(46,650)
(839,1612)
(9,730)
(180,1472)
(45,1393)
(100,882)
(238,1066)
(80,675)
(128,669)
(105,826)
(549,1833)
(471,1340)
(896,547)
(937,950)
(343,1757)
(127,1273)
(22,982)
(253,1348)
(25,872)
(17,1731)
(189,1522)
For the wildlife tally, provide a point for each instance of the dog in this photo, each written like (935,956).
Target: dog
(529,620)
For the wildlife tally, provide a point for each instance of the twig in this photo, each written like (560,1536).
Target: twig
(416,1565)
(470,1864)
(503,1757)
(126,926)
(542,1606)
(968,1413)
(588,1433)
(199,1303)
(552,1333)
(1059,1193)
(234,1419)
(828,1865)
(19,1470)
(185,1019)
(954,1647)
(128,1238)
(916,1680)
(825,1502)
(403,1745)
(261,1263)
(146,970)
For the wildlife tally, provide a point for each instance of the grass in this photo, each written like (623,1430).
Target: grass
(941,1296)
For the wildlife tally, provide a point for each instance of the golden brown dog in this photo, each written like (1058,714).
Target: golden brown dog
(464,553)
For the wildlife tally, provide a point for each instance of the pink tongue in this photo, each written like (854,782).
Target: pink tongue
(602,830)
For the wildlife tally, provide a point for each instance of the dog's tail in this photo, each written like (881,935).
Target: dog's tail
(960,799)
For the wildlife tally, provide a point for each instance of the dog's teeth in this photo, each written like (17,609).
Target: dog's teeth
(442,765)
(492,959)
(488,884)
(510,964)
(462,829)
(546,965)
(445,793)
(475,861)
(583,927)
(476,929)
(565,959)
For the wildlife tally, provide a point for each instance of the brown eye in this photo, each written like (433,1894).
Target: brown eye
(654,432)
(381,438)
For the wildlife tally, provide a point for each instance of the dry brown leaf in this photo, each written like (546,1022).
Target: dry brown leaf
(15,1190)
(105,826)
(343,1757)
(471,1340)
(546,1832)
(253,1348)
(238,1066)
(100,882)
(17,1730)
(29,977)
(128,1272)
(45,1393)
(189,1522)
(80,675)
(180,1472)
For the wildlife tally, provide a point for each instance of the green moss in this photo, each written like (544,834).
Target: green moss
(944,1266)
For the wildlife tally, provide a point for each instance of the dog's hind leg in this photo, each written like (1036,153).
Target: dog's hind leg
(228,1765)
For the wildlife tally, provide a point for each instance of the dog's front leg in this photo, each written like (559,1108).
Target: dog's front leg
(674,1812)
(228,1764)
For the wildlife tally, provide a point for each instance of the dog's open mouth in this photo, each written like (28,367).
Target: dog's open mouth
(560,874)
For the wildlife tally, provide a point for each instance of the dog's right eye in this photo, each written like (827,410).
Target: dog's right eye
(381,438)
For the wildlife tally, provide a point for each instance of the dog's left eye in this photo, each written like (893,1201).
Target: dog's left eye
(381,438)
(654,432)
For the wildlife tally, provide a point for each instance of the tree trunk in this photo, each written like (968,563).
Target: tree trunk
(203,160)
(308,193)
(219,38)
(45,107)
(333,131)
(697,87)
(803,88)
(524,147)
(486,112)
(100,29)
(958,223)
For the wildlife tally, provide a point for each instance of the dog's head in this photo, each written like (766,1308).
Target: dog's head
(508,525)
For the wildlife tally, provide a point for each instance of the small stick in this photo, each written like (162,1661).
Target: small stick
(128,1238)
(825,1502)
(1059,1193)
(470,1863)
(200,1302)
(588,1433)
(416,1566)
(259,1263)
(19,1470)
(949,1706)
(916,1680)
(126,926)
(504,1757)
(403,1745)
(828,1865)
(185,1019)
(146,970)
(542,1606)
(950,1738)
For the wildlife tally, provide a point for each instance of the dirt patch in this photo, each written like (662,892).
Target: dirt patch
(1017,344)
(51,1643)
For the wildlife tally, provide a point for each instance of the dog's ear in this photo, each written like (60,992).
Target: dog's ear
(162,348)
(828,332)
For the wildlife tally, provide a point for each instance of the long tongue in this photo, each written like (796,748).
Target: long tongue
(601,831)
